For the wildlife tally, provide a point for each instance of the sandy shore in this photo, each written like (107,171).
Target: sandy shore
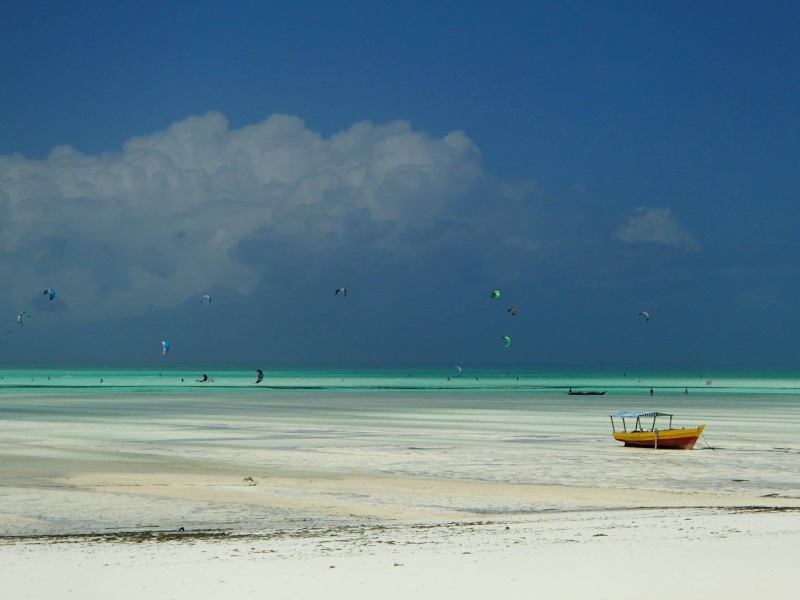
(345,536)
(611,554)
(433,505)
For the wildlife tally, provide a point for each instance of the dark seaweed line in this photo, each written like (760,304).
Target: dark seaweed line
(138,537)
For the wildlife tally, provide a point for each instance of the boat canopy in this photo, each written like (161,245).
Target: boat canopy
(636,415)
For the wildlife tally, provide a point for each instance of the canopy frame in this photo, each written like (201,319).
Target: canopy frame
(637,416)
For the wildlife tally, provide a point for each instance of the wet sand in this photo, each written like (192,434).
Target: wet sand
(736,551)
(469,506)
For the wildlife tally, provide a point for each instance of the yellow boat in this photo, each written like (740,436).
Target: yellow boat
(646,434)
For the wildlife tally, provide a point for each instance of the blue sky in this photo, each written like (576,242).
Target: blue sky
(590,159)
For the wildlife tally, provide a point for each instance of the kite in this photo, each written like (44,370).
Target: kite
(460,370)
(260,375)
(645,314)
(495,294)
(507,340)
(343,290)
(19,317)
(206,297)
(51,293)
(164,348)
(513,311)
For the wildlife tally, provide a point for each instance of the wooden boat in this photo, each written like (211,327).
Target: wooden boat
(587,393)
(646,434)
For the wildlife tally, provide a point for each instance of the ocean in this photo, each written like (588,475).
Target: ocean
(491,424)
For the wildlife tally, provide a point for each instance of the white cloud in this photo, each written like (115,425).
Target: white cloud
(162,220)
(659,226)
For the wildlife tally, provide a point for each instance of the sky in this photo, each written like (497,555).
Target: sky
(590,160)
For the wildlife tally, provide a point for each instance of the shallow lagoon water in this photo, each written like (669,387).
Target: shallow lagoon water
(494,426)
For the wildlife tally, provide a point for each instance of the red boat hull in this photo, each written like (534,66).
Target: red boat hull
(678,444)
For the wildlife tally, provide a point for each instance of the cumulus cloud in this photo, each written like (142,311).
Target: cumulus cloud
(659,226)
(198,205)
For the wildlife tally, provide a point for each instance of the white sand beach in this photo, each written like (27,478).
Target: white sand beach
(402,541)
(286,506)
(577,555)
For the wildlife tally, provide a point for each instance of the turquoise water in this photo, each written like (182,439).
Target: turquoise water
(434,379)
(485,407)
(490,425)
(743,411)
